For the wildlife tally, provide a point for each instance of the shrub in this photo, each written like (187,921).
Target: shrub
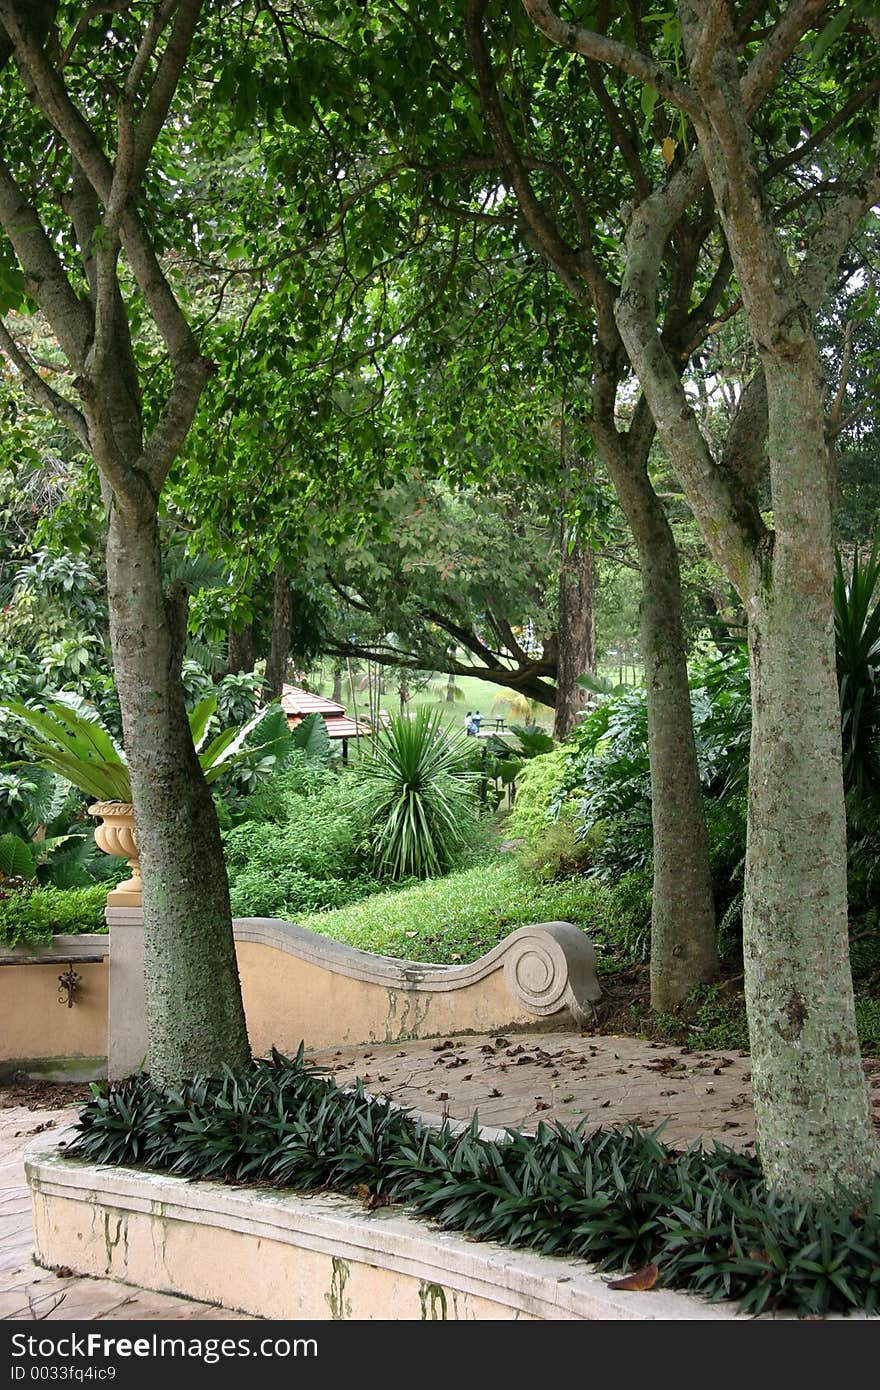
(313,857)
(557,854)
(69,739)
(535,796)
(419,796)
(607,768)
(277,798)
(619,1199)
(868,1023)
(627,915)
(39,913)
(857,641)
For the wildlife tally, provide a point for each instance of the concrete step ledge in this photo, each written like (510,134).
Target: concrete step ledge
(283,1255)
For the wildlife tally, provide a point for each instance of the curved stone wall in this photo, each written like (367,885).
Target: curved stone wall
(297,985)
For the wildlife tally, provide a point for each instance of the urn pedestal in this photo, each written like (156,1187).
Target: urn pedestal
(115,835)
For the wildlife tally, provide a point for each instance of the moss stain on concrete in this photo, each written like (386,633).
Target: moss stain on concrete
(339,1305)
(433,1302)
(413,1013)
(111,1242)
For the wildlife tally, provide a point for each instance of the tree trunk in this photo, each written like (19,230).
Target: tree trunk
(450,688)
(683,943)
(195,1018)
(279,643)
(576,631)
(337,684)
(240,653)
(684,950)
(812,1109)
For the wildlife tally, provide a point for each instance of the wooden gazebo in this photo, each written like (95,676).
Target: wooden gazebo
(298,704)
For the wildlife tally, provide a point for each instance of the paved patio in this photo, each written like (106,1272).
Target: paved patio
(519,1079)
(516,1080)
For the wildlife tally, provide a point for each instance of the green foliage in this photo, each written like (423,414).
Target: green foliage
(70,740)
(627,921)
(535,795)
(41,818)
(32,798)
(16,858)
(39,913)
(557,854)
(857,637)
(868,1023)
(312,739)
(607,767)
(619,1199)
(312,855)
(720,1021)
(533,740)
(418,796)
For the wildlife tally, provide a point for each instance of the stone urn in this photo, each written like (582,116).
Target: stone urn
(115,835)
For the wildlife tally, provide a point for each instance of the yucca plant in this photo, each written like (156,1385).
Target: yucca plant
(69,738)
(857,635)
(419,795)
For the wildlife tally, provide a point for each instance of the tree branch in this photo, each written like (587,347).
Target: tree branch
(45,277)
(172,427)
(543,232)
(40,392)
(587,42)
(55,103)
(164,85)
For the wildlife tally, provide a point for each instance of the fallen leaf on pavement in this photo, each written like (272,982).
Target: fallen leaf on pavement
(640,1279)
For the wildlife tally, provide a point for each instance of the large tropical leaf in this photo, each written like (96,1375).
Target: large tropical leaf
(16,858)
(75,747)
(67,701)
(265,736)
(200,718)
(533,739)
(857,640)
(312,739)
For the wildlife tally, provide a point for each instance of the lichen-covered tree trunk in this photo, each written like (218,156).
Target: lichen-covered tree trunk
(811,1103)
(195,1018)
(576,632)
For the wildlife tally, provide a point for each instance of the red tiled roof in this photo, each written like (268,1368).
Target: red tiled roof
(298,704)
(303,702)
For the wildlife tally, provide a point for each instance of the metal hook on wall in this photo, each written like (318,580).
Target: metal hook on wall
(71,984)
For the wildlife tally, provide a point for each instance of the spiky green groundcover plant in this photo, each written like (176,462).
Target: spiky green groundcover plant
(621,1199)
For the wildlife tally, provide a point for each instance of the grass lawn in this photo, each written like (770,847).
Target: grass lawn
(460,917)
